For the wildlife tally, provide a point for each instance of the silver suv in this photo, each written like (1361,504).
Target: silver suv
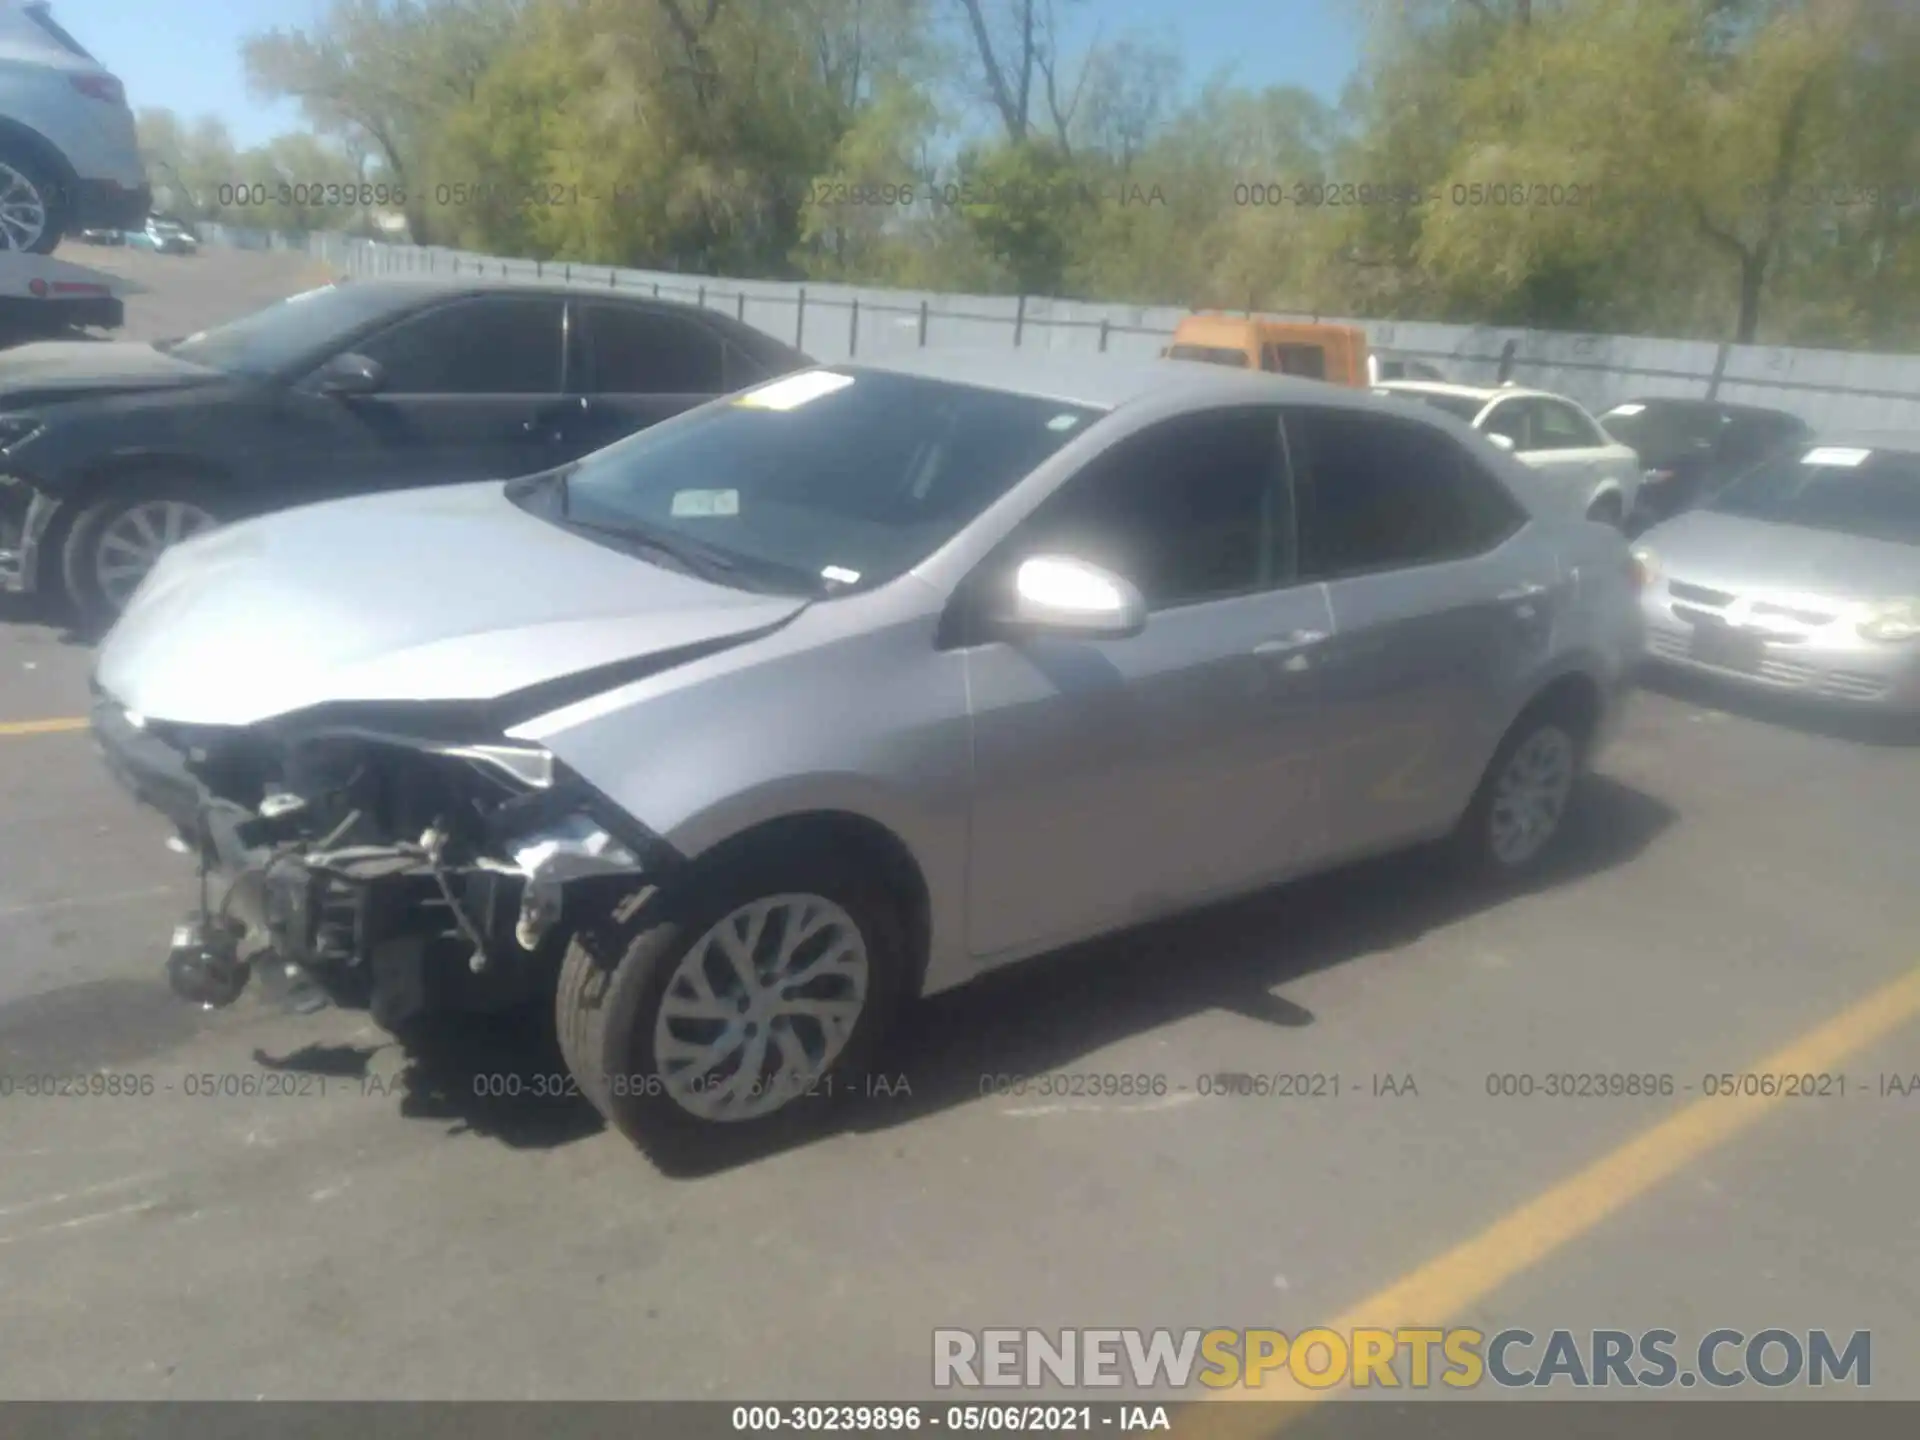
(69,156)
(737,734)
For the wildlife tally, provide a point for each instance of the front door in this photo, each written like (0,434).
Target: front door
(1119,779)
(469,392)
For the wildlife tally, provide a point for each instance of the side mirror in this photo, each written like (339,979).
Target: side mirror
(1059,595)
(1503,442)
(350,374)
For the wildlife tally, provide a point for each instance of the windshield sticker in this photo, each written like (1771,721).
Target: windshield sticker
(1624,410)
(840,575)
(793,391)
(1840,455)
(706,502)
(1063,422)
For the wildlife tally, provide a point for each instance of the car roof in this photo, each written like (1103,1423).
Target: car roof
(1721,407)
(404,291)
(1107,382)
(1485,394)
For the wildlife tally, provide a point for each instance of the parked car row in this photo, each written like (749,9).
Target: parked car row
(633,664)
(869,678)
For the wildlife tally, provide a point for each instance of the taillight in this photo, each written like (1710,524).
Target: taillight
(100,87)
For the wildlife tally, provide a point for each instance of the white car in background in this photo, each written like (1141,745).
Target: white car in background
(69,156)
(1594,473)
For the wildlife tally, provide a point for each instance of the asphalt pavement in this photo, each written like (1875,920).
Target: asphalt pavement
(296,1207)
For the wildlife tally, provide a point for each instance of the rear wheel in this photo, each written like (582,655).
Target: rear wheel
(733,1004)
(33,209)
(115,541)
(1516,816)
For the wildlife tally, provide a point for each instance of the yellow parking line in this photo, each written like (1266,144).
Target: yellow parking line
(42,727)
(1440,1290)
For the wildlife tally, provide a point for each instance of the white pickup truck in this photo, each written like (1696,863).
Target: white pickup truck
(42,298)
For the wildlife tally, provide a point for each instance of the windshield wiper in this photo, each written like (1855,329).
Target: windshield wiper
(688,554)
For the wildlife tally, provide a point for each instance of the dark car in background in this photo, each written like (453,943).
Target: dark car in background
(1691,448)
(112,452)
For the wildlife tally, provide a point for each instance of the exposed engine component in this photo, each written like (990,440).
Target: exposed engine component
(399,873)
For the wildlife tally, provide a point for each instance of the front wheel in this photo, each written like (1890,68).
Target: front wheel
(728,1005)
(115,541)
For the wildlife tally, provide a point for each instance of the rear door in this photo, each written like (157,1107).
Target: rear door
(1438,608)
(466,388)
(637,364)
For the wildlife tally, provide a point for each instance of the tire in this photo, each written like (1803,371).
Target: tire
(616,980)
(1481,843)
(133,506)
(34,207)
(1609,509)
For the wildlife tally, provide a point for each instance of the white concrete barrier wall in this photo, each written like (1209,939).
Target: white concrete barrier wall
(1831,389)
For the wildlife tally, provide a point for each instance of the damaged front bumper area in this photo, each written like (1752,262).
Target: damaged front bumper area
(385,862)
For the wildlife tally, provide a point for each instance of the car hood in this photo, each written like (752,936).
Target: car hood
(451,594)
(1731,552)
(76,367)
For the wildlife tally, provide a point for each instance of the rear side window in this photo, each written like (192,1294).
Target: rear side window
(1379,493)
(1211,354)
(637,351)
(38,14)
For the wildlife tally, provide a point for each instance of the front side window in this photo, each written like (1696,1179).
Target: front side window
(1873,494)
(1514,420)
(504,345)
(1307,361)
(1186,510)
(822,481)
(1558,426)
(1378,493)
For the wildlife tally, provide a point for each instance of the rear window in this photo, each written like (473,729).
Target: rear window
(1662,433)
(1210,354)
(1461,407)
(41,17)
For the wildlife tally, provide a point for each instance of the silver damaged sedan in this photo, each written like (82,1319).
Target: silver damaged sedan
(734,737)
(1801,576)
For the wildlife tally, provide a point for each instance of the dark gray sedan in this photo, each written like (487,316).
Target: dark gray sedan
(110,453)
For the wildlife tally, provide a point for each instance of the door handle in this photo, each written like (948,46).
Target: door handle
(1290,643)
(1523,592)
(549,417)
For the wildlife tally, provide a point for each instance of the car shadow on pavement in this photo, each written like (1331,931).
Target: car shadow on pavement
(1042,1016)
(1862,726)
(504,1078)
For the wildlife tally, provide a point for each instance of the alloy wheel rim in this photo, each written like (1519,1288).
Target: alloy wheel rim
(23,210)
(1530,795)
(760,1007)
(138,536)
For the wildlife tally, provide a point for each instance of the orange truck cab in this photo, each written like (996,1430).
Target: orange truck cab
(1336,354)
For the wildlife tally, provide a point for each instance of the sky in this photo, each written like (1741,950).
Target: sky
(187,57)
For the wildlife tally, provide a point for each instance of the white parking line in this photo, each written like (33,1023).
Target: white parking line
(80,1221)
(122,1183)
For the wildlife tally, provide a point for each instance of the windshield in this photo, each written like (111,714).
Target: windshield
(839,479)
(1211,354)
(1464,407)
(1874,494)
(270,340)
